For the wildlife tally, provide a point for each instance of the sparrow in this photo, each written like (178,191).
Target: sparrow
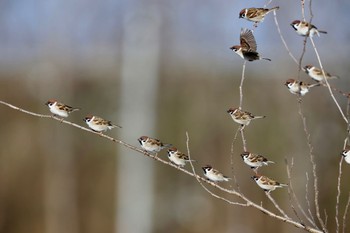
(177,157)
(303,28)
(299,87)
(59,109)
(151,144)
(247,48)
(214,175)
(256,15)
(317,75)
(242,117)
(266,183)
(98,124)
(346,155)
(255,161)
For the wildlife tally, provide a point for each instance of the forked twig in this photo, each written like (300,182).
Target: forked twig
(292,195)
(314,166)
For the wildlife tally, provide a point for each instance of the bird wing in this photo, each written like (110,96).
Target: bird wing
(247,40)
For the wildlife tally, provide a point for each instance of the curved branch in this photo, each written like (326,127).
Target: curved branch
(248,202)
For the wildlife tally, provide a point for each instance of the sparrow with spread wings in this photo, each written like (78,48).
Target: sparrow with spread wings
(248,47)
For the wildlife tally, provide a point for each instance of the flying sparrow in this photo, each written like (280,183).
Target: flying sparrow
(178,157)
(266,183)
(303,28)
(346,155)
(299,87)
(213,174)
(247,48)
(317,75)
(255,14)
(255,161)
(59,109)
(152,145)
(98,124)
(242,117)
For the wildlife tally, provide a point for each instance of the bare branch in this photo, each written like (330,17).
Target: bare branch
(291,193)
(247,202)
(276,205)
(282,38)
(346,213)
(326,81)
(232,162)
(338,194)
(313,163)
(241,85)
(244,142)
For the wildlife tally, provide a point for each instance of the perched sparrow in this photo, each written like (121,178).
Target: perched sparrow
(247,48)
(303,28)
(242,117)
(98,124)
(152,144)
(59,109)
(214,175)
(255,160)
(178,157)
(346,155)
(299,88)
(255,14)
(266,183)
(316,73)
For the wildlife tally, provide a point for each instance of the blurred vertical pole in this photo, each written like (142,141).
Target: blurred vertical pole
(140,65)
(61,212)
(60,171)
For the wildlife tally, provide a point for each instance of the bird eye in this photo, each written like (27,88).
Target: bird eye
(243,15)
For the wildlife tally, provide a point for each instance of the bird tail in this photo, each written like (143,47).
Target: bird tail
(324,32)
(282,185)
(166,145)
(259,117)
(274,8)
(226,178)
(75,109)
(314,85)
(334,77)
(118,126)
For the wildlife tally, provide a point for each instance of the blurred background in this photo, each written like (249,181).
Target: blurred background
(160,68)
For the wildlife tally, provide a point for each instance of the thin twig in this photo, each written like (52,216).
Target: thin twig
(199,181)
(326,81)
(314,167)
(291,193)
(338,194)
(232,162)
(282,38)
(241,85)
(307,197)
(346,213)
(303,9)
(276,205)
(244,142)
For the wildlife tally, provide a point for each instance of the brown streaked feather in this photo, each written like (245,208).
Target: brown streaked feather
(247,40)
(66,108)
(269,181)
(154,141)
(100,121)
